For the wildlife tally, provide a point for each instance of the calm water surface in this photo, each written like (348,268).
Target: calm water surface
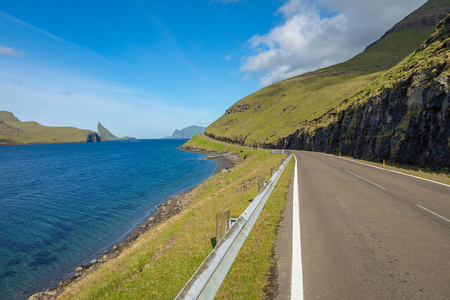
(61,205)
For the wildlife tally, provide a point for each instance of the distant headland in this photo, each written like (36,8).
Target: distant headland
(13,131)
(186,133)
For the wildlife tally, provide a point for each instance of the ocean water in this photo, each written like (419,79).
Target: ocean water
(61,205)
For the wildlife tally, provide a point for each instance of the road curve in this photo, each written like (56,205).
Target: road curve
(366,233)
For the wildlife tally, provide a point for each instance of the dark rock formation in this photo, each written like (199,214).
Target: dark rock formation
(408,128)
(92,137)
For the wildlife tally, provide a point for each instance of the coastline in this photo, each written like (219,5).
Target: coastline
(169,208)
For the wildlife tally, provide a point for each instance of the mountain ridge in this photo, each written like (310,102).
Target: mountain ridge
(274,113)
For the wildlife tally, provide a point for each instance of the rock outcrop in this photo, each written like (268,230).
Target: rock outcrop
(93,137)
(406,121)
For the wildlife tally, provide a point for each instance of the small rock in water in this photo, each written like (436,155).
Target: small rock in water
(79,269)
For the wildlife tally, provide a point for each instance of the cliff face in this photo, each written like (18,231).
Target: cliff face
(93,137)
(403,117)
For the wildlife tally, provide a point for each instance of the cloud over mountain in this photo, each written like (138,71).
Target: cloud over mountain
(316,34)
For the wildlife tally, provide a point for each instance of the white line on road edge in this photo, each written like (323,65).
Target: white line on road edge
(297,272)
(366,180)
(401,173)
(432,212)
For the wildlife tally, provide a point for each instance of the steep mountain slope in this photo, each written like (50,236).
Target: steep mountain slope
(13,131)
(403,116)
(105,133)
(274,113)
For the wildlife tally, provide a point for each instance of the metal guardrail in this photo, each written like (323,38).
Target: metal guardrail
(206,281)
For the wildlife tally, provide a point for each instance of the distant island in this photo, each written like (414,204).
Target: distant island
(13,131)
(108,136)
(187,132)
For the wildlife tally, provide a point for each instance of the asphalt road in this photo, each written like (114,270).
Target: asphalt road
(366,233)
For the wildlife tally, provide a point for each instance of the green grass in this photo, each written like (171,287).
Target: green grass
(13,131)
(279,110)
(162,260)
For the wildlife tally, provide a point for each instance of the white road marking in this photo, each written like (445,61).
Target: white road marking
(401,173)
(297,272)
(366,180)
(332,164)
(432,212)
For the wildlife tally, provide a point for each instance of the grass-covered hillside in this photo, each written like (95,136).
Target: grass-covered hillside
(14,131)
(105,133)
(403,116)
(276,112)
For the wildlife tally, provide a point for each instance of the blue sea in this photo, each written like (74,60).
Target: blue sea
(62,205)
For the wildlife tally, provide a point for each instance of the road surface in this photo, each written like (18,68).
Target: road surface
(365,233)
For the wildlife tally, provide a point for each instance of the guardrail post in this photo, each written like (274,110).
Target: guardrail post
(222,224)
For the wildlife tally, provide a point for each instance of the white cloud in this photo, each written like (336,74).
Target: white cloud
(316,34)
(228,57)
(6,51)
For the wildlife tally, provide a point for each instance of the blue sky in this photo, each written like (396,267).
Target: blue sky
(146,68)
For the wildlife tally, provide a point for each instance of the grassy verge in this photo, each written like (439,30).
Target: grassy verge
(162,260)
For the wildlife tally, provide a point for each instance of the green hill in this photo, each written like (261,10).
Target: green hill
(274,113)
(403,116)
(105,133)
(14,131)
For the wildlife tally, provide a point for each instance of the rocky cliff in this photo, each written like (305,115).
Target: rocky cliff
(93,137)
(404,116)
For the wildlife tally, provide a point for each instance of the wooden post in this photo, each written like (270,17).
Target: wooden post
(222,224)
(384,163)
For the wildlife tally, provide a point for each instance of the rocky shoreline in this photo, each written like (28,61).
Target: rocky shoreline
(171,207)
